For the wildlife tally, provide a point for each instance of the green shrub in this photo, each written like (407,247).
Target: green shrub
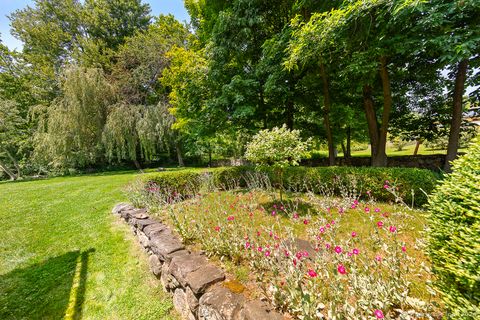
(454,236)
(318,179)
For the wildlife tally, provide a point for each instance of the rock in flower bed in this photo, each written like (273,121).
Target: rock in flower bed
(314,257)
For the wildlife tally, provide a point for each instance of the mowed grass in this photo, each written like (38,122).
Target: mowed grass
(63,255)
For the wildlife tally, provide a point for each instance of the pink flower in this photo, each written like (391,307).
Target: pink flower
(380,224)
(275,206)
(267,253)
(377,210)
(404,248)
(393,229)
(299,255)
(369,192)
(354,234)
(338,249)
(260,249)
(247,245)
(312,273)
(385,186)
(304,254)
(270,233)
(230,218)
(295,215)
(341,210)
(305,221)
(282,208)
(333,222)
(378,258)
(353,206)
(378,314)
(287,254)
(355,202)
(294,262)
(341,269)
(355,251)
(322,229)
(328,226)
(274,213)
(328,246)
(217,228)
(349,254)
(367,209)
(258,233)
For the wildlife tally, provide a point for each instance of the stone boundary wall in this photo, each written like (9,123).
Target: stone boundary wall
(431,162)
(194,282)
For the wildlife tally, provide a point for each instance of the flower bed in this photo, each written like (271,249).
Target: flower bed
(311,256)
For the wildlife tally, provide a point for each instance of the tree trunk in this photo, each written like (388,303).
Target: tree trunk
(380,159)
(137,165)
(179,155)
(417,146)
(344,150)
(454,135)
(349,143)
(8,171)
(326,115)
(371,120)
(15,164)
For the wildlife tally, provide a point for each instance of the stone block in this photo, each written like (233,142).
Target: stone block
(181,266)
(143,239)
(257,309)
(192,300)
(155,265)
(221,304)
(164,245)
(121,207)
(155,228)
(204,277)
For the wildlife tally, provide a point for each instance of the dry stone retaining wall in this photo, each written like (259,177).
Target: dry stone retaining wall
(194,282)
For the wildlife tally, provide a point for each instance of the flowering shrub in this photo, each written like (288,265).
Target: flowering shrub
(313,257)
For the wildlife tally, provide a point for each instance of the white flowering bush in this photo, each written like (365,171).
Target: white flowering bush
(278,148)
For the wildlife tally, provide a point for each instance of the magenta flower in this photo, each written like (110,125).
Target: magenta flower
(341,210)
(377,210)
(267,253)
(404,248)
(217,228)
(367,209)
(294,262)
(322,229)
(393,229)
(260,249)
(312,273)
(354,234)
(378,258)
(295,215)
(299,255)
(328,246)
(333,222)
(355,251)
(341,269)
(230,218)
(274,213)
(247,245)
(378,314)
(338,249)
(385,186)
(380,224)
(287,254)
(353,206)
(349,254)
(305,221)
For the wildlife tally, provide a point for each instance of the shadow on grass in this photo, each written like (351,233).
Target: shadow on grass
(52,289)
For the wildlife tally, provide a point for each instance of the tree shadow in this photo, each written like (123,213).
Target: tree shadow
(52,289)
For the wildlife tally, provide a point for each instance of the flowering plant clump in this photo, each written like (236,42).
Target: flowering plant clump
(314,257)
(278,148)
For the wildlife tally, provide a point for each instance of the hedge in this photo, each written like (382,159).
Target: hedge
(335,179)
(454,236)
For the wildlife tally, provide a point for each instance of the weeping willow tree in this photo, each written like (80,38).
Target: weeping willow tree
(70,129)
(139,132)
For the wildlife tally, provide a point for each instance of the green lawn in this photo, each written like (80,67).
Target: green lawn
(64,255)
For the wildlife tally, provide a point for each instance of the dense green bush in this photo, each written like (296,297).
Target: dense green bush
(454,237)
(332,179)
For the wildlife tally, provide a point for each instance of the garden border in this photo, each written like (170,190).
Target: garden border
(194,282)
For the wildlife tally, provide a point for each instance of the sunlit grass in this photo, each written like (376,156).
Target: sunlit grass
(64,255)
